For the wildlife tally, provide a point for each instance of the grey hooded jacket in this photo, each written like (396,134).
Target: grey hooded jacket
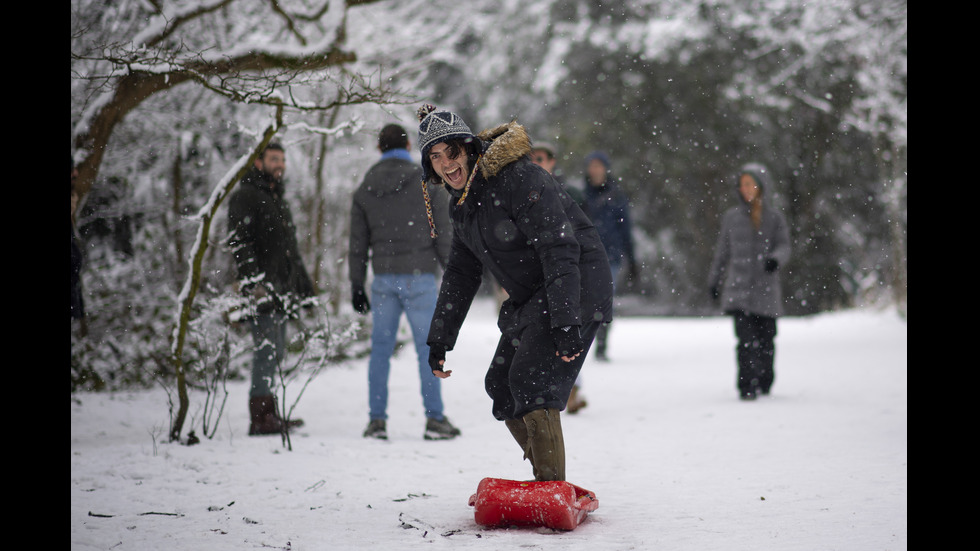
(738,269)
(389,225)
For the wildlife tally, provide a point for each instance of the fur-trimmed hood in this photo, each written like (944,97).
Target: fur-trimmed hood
(502,146)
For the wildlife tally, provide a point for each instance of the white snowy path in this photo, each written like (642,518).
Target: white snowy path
(675,459)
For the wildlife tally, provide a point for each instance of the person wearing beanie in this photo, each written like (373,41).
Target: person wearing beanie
(608,207)
(753,247)
(510,217)
(388,227)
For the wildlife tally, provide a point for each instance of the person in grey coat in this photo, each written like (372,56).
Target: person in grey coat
(389,226)
(753,247)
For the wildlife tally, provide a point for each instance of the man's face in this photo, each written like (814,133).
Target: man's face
(597,172)
(543,159)
(452,171)
(272,163)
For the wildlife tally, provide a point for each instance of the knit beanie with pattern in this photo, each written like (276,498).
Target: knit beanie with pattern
(438,126)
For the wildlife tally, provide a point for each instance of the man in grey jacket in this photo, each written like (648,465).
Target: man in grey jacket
(390,225)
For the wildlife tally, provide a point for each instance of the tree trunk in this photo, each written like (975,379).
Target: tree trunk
(193,280)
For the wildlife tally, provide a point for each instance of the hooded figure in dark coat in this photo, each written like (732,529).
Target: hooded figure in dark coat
(513,219)
(753,246)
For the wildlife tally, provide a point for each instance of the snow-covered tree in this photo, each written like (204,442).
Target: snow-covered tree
(248,52)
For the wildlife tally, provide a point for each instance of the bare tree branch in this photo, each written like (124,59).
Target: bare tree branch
(129,71)
(175,24)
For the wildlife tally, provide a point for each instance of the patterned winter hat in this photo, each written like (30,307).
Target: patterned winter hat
(438,126)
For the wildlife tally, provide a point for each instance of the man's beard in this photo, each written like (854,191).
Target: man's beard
(272,177)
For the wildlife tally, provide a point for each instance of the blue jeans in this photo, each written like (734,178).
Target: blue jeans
(269,336)
(392,294)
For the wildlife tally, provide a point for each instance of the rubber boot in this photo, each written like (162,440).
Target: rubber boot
(748,379)
(547,445)
(518,429)
(766,374)
(575,402)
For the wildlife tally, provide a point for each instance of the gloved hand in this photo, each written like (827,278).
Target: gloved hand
(772,265)
(568,341)
(359,299)
(437,358)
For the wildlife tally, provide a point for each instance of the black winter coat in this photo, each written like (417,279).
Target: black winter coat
(608,208)
(263,241)
(519,224)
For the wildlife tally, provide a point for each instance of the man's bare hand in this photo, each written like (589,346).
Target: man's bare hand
(568,358)
(442,374)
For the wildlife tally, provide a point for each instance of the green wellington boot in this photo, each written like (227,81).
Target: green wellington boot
(546,444)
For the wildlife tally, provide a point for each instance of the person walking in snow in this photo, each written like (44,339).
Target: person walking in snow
(271,275)
(753,246)
(512,218)
(608,208)
(388,224)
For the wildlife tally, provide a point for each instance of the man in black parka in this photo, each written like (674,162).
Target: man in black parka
(271,274)
(511,217)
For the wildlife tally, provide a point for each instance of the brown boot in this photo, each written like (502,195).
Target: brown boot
(518,430)
(265,418)
(575,402)
(547,445)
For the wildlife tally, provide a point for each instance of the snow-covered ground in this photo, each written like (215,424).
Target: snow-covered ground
(676,460)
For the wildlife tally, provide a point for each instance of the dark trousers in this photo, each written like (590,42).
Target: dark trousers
(602,336)
(526,375)
(755,352)
(269,338)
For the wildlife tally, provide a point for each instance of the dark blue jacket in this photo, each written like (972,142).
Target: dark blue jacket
(608,207)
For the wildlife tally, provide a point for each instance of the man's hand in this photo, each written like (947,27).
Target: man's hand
(568,342)
(437,359)
(359,299)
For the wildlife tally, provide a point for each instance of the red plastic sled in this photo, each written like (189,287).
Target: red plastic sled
(557,505)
